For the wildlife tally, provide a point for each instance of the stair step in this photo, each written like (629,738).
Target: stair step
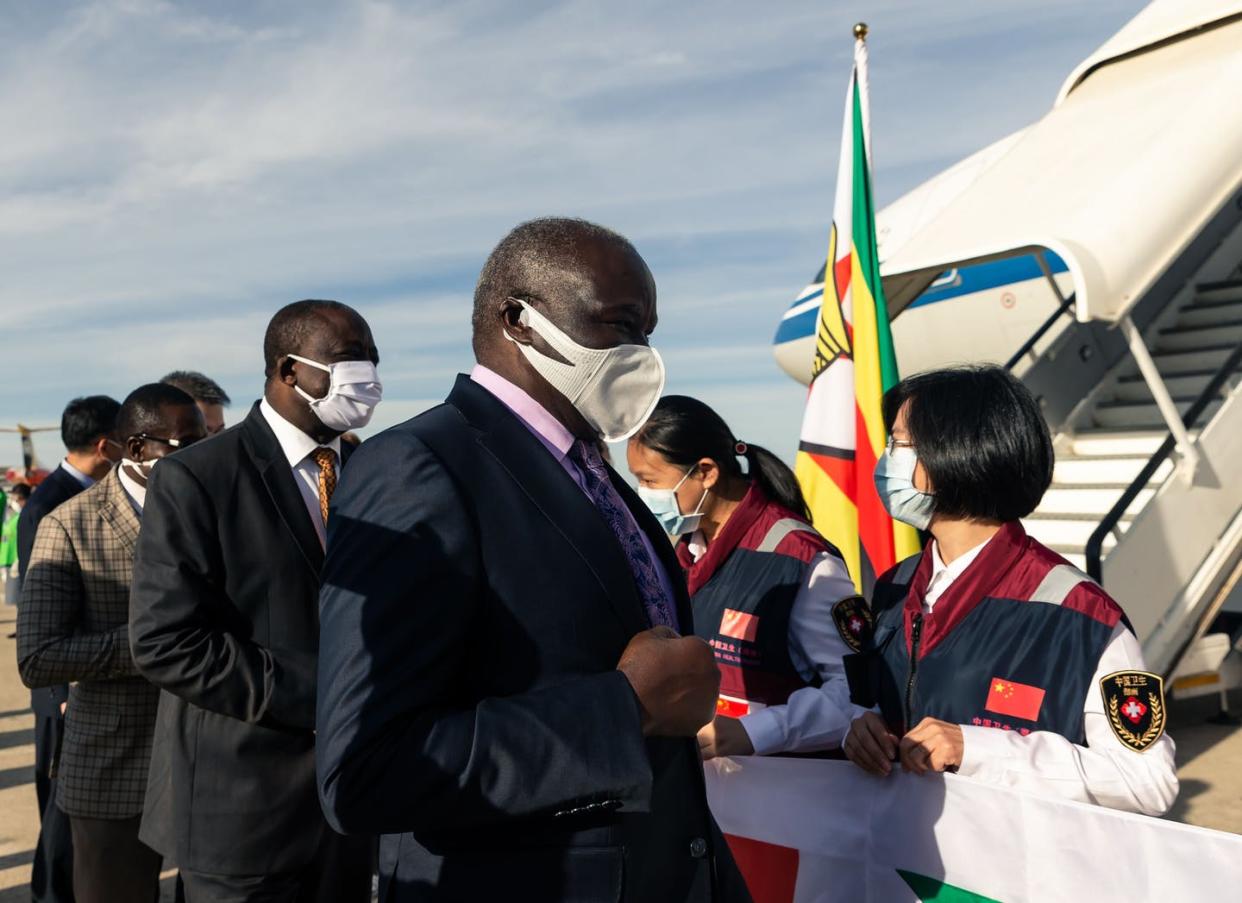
(1145,414)
(1097,502)
(1114,443)
(1230,290)
(1192,338)
(1210,313)
(1185,385)
(1081,471)
(1068,534)
(1185,361)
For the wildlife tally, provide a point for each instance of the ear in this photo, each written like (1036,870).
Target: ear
(134,447)
(284,370)
(709,472)
(510,313)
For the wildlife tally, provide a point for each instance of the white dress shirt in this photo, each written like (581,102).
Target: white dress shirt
(298,448)
(136,491)
(1105,771)
(813,718)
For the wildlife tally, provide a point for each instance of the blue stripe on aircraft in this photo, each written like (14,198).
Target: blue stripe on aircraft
(967,281)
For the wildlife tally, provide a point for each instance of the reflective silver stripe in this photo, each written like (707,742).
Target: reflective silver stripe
(778,531)
(1058,583)
(905,571)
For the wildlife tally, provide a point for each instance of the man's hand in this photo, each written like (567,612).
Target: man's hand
(870,745)
(724,736)
(932,746)
(675,679)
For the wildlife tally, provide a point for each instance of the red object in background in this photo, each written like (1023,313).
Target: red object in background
(1007,697)
(771,871)
(32,478)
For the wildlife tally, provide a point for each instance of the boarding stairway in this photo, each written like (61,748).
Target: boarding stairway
(1150,503)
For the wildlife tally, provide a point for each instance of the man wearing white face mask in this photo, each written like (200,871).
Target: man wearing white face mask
(223,617)
(504,692)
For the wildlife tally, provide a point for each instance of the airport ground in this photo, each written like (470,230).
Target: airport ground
(1209,763)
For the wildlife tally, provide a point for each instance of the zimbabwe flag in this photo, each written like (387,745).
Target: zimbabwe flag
(843,429)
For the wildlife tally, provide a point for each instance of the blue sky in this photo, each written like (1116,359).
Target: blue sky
(172,173)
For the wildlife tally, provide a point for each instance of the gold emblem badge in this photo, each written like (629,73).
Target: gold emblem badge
(1134,703)
(853,620)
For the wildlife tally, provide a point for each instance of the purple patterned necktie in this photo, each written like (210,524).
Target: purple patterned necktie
(611,507)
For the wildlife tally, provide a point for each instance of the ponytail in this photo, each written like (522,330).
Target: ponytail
(684,430)
(775,479)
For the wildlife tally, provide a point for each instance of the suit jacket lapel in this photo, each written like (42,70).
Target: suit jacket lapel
(118,511)
(554,492)
(277,476)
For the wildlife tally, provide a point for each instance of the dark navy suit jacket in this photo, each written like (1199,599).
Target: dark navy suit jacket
(474,608)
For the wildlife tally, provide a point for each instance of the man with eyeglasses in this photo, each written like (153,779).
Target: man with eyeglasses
(73,628)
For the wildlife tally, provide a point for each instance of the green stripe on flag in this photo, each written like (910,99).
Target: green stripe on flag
(930,890)
(865,246)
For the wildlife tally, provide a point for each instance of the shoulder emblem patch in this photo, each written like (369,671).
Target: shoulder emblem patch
(853,620)
(1134,704)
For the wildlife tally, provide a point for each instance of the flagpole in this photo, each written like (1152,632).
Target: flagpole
(861,30)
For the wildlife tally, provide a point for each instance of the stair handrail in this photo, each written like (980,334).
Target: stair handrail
(1095,545)
(1039,333)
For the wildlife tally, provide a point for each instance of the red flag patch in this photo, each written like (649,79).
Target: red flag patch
(1007,697)
(739,625)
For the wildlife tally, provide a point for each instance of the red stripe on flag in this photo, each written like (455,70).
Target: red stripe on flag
(1007,697)
(875,527)
(771,871)
(839,470)
(841,271)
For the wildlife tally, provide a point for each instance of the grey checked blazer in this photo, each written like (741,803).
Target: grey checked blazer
(73,626)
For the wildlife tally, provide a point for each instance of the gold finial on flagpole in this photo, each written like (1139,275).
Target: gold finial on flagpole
(860,31)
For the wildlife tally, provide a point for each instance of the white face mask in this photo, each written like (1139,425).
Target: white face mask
(894,482)
(353,392)
(663,504)
(614,389)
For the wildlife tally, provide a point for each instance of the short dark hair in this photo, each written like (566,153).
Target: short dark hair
(87,420)
(20,490)
(683,431)
(141,410)
(198,386)
(292,325)
(527,260)
(981,437)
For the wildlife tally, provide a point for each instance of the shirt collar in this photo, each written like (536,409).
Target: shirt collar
(137,493)
(86,481)
(943,574)
(295,444)
(550,431)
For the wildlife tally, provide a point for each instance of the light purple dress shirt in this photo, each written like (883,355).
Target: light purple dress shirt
(558,441)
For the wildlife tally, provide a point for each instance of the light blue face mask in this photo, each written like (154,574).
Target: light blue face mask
(894,481)
(663,504)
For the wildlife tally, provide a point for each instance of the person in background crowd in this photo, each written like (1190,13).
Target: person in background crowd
(502,693)
(10,510)
(73,628)
(207,394)
(772,596)
(224,619)
(992,656)
(86,431)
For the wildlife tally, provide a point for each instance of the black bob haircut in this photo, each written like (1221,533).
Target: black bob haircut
(142,409)
(87,420)
(981,437)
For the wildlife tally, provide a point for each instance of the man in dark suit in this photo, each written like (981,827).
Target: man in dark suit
(73,627)
(223,618)
(501,687)
(86,431)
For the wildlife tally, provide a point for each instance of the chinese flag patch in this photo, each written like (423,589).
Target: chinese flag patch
(1008,697)
(739,625)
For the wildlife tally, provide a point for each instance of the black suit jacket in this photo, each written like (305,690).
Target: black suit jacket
(474,608)
(223,618)
(57,487)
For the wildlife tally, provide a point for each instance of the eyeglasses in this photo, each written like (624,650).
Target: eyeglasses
(894,443)
(171,443)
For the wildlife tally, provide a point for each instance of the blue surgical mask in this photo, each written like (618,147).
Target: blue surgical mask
(894,481)
(663,504)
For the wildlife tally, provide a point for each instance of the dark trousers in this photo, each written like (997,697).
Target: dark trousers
(110,863)
(339,873)
(51,874)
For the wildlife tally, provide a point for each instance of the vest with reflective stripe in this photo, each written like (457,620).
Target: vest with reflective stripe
(1042,624)
(743,612)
